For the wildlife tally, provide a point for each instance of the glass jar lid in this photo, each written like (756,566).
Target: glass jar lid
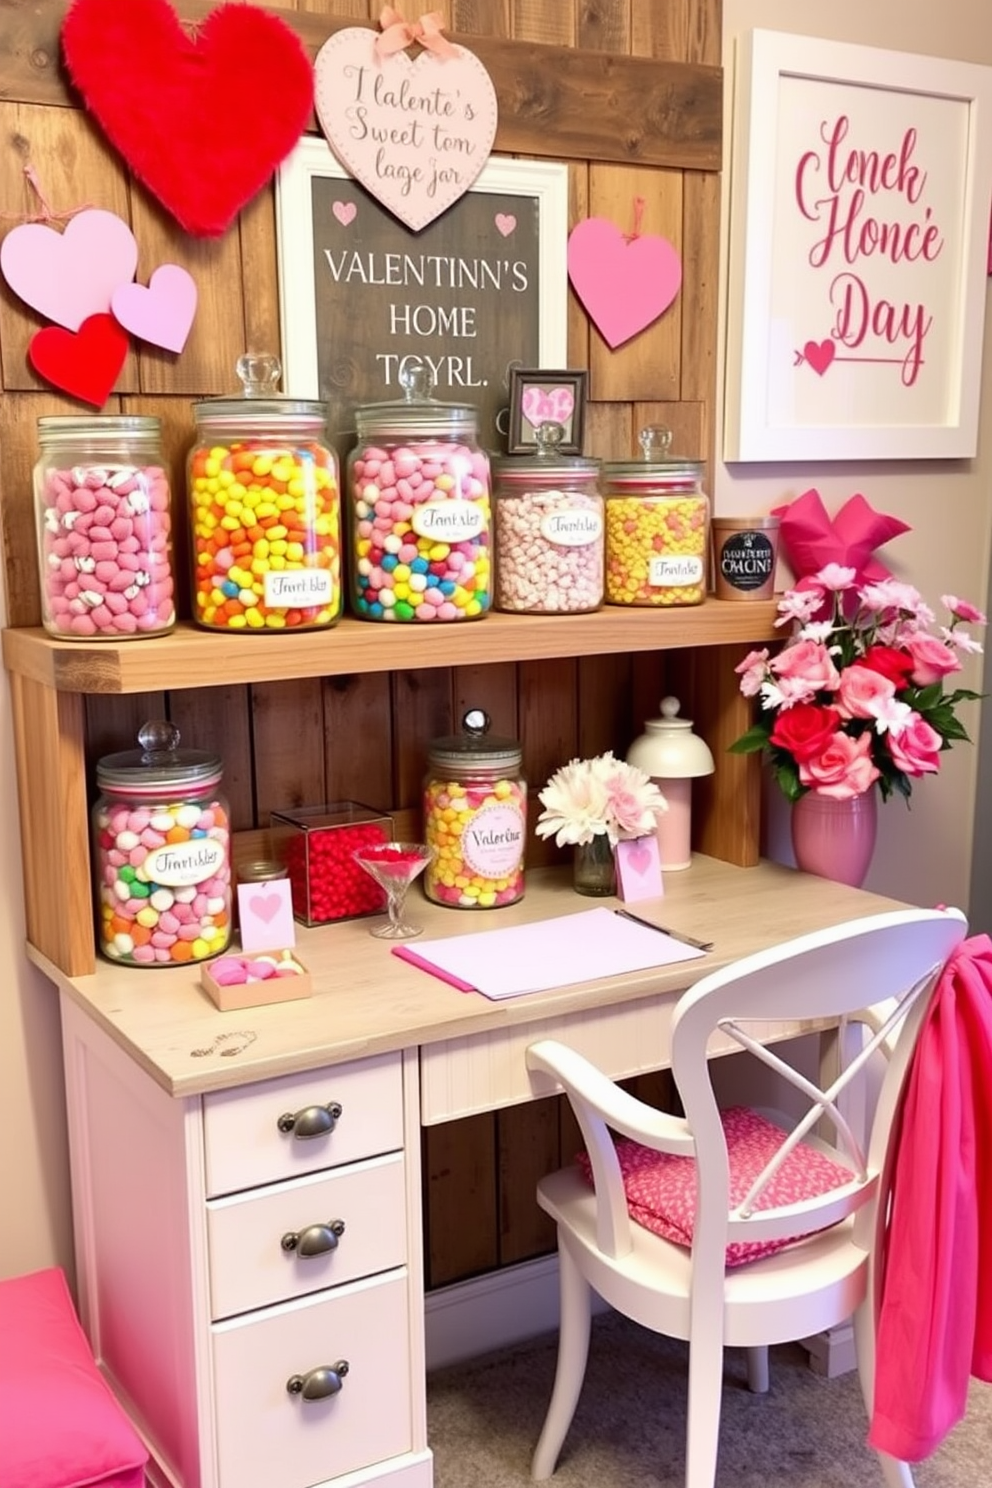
(58,428)
(475,746)
(260,406)
(159,763)
(652,467)
(547,461)
(417,412)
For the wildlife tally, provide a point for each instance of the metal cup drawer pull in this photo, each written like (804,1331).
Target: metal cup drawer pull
(312,1121)
(320,1383)
(315,1240)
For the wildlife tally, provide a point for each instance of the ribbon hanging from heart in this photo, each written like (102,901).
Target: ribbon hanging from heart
(415,132)
(202,116)
(624,280)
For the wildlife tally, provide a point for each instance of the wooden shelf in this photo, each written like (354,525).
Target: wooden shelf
(190,657)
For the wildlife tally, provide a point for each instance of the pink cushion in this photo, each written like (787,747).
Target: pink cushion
(661,1189)
(60,1426)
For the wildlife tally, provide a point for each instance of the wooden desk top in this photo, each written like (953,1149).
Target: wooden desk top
(367,1001)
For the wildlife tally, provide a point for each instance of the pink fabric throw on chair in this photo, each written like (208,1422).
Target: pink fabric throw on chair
(935,1320)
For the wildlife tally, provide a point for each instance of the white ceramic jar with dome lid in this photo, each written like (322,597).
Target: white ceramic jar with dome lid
(420,495)
(673,756)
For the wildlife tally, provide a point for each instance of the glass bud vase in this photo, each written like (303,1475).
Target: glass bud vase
(593,867)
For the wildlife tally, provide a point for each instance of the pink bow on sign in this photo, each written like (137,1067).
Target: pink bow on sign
(398,34)
(812,539)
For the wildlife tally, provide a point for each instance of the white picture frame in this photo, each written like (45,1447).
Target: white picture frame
(838,348)
(544,182)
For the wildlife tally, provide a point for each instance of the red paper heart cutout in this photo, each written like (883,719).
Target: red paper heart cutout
(203,119)
(83,363)
(819,354)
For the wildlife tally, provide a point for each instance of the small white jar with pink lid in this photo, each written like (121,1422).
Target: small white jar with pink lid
(103,512)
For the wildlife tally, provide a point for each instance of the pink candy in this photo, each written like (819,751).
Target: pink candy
(105,551)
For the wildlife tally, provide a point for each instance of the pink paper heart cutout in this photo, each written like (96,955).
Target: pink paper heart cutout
(345,212)
(162,313)
(639,858)
(556,406)
(505,223)
(71,275)
(414,177)
(266,906)
(623,284)
(819,354)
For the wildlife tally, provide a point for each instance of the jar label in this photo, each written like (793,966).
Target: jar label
(572,527)
(298,588)
(747,560)
(493,841)
(449,521)
(185,863)
(675,572)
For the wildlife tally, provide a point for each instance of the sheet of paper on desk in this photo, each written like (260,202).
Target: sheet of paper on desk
(546,954)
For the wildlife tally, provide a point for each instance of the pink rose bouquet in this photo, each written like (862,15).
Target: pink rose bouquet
(860,696)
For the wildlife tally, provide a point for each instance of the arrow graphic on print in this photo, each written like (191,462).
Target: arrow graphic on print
(822,354)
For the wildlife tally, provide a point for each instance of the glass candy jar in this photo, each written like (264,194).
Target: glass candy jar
(475,817)
(104,525)
(265,511)
(161,853)
(420,509)
(548,530)
(657,527)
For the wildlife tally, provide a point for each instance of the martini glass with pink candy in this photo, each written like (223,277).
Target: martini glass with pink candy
(394,866)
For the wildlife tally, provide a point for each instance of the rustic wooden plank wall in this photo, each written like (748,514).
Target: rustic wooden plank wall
(631,100)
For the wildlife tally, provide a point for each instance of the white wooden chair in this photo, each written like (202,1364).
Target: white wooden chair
(890,961)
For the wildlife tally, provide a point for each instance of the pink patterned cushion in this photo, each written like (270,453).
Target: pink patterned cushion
(60,1427)
(661,1189)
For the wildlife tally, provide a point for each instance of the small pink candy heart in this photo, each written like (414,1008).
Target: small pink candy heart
(266,906)
(163,313)
(345,212)
(71,275)
(505,223)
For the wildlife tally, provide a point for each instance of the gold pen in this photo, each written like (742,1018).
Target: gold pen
(699,945)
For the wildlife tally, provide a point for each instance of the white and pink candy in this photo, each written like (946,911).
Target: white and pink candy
(105,541)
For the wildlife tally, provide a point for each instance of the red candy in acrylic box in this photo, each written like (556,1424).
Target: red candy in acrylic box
(317,844)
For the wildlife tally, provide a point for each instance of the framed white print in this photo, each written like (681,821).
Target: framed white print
(479,289)
(860,195)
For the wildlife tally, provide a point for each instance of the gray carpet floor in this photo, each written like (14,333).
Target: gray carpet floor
(484,1418)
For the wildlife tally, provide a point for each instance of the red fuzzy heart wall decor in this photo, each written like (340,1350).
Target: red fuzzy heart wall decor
(203,116)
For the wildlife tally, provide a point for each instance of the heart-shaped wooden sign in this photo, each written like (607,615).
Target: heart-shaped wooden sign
(71,275)
(84,363)
(414,132)
(202,118)
(625,282)
(161,314)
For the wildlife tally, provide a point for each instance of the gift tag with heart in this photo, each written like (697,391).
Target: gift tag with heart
(625,281)
(414,131)
(69,276)
(202,117)
(84,363)
(265,915)
(638,863)
(161,314)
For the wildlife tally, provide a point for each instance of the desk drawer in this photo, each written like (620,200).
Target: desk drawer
(245,1145)
(249,1266)
(266,1434)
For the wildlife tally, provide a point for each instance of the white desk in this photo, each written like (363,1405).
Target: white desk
(184,1186)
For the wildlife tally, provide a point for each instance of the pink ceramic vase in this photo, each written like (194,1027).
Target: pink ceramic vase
(835,839)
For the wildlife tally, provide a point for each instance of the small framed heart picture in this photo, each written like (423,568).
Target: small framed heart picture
(538,397)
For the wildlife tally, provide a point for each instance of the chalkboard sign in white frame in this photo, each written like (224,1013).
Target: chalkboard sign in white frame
(338,371)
